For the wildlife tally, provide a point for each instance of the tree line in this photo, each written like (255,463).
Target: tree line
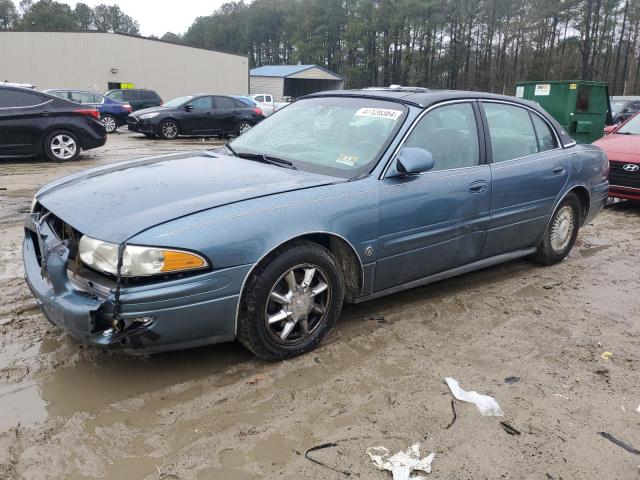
(458,44)
(49,15)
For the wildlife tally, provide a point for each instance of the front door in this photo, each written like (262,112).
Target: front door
(529,170)
(437,220)
(197,117)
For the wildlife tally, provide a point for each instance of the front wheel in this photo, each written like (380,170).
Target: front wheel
(169,129)
(62,146)
(109,122)
(561,233)
(291,302)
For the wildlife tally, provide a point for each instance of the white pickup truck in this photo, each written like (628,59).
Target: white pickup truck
(266,103)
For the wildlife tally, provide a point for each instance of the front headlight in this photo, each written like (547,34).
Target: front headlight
(146,116)
(137,261)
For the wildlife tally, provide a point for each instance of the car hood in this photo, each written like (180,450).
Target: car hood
(621,147)
(142,111)
(115,202)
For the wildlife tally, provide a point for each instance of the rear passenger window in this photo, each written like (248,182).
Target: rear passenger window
(117,95)
(148,95)
(511,131)
(82,97)
(450,133)
(18,98)
(223,102)
(546,139)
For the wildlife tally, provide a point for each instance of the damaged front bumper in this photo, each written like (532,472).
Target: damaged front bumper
(163,316)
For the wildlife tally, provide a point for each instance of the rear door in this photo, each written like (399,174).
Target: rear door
(24,117)
(436,221)
(133,97)
(226,118)
(529,170)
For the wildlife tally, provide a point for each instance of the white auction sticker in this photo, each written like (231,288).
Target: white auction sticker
(379,113)
(542,90)
(520,91)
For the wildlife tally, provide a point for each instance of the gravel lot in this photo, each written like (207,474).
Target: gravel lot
(68,411)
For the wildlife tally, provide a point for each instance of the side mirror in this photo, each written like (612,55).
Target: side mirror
(609,129)
(188,108)
(412,161)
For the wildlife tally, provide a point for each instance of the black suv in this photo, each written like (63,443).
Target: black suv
(32,123)
(138,98)
(201,115)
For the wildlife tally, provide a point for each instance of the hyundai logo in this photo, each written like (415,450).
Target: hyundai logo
(631,167)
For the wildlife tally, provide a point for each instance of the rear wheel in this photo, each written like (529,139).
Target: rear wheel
(243,127)
(291,302)
(169,129)
(109,122)
(62,146)
(561,233)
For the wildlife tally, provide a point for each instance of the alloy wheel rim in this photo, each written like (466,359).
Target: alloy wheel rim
(169,129)
(562,228)
(297,304)
(109,124)
(63,146)
(244,127)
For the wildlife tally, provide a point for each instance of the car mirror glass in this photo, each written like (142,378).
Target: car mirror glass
(412,161)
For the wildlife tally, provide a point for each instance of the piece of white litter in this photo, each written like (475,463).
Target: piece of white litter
(487,405)
(402,463)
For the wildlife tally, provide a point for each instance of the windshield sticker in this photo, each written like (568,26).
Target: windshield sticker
(379,113)
(347,159)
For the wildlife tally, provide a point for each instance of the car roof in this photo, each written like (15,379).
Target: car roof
(48,90)
(424,98)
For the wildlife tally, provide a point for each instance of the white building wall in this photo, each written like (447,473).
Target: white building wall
(85,61)
(271,85)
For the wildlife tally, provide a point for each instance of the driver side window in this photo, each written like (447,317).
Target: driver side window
(450,133)
(202,103)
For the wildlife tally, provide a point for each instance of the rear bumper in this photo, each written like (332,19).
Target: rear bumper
(171,315)
(599,195)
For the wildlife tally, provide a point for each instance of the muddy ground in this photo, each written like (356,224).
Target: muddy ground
(68,411)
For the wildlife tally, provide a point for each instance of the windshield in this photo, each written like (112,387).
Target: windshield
(632,127)
(176,102)
(617,107)
(336,136)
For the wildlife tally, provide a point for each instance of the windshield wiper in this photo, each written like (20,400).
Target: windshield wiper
(230,148)
(261,157)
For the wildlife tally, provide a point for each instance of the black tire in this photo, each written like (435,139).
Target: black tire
(109,122)
(53,146)
(243,126)
(253,331)
(169,129)
(549,250)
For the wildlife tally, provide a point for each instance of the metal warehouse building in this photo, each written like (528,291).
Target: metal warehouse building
(101,61)
(293,81)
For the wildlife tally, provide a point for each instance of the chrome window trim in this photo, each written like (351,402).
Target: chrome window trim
(413,126)
(27,106)
(532,110)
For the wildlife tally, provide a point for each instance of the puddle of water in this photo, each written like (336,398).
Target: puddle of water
(588,252)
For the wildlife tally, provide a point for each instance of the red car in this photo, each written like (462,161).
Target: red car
(622,146)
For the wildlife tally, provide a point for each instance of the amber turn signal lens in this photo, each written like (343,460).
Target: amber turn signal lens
(176,261)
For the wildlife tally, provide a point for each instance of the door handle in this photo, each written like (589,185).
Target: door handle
(559,170)
(479,186)
(45,113)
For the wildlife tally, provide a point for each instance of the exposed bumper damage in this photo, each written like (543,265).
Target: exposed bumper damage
(149,318)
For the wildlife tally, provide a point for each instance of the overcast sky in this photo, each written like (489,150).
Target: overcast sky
(156,17)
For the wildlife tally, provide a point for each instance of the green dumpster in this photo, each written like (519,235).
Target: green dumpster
(581,107)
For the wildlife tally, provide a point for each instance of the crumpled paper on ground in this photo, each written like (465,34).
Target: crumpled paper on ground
(402,463)
(487,406)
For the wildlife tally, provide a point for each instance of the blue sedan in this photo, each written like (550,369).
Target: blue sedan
(340,197)
(113,114)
